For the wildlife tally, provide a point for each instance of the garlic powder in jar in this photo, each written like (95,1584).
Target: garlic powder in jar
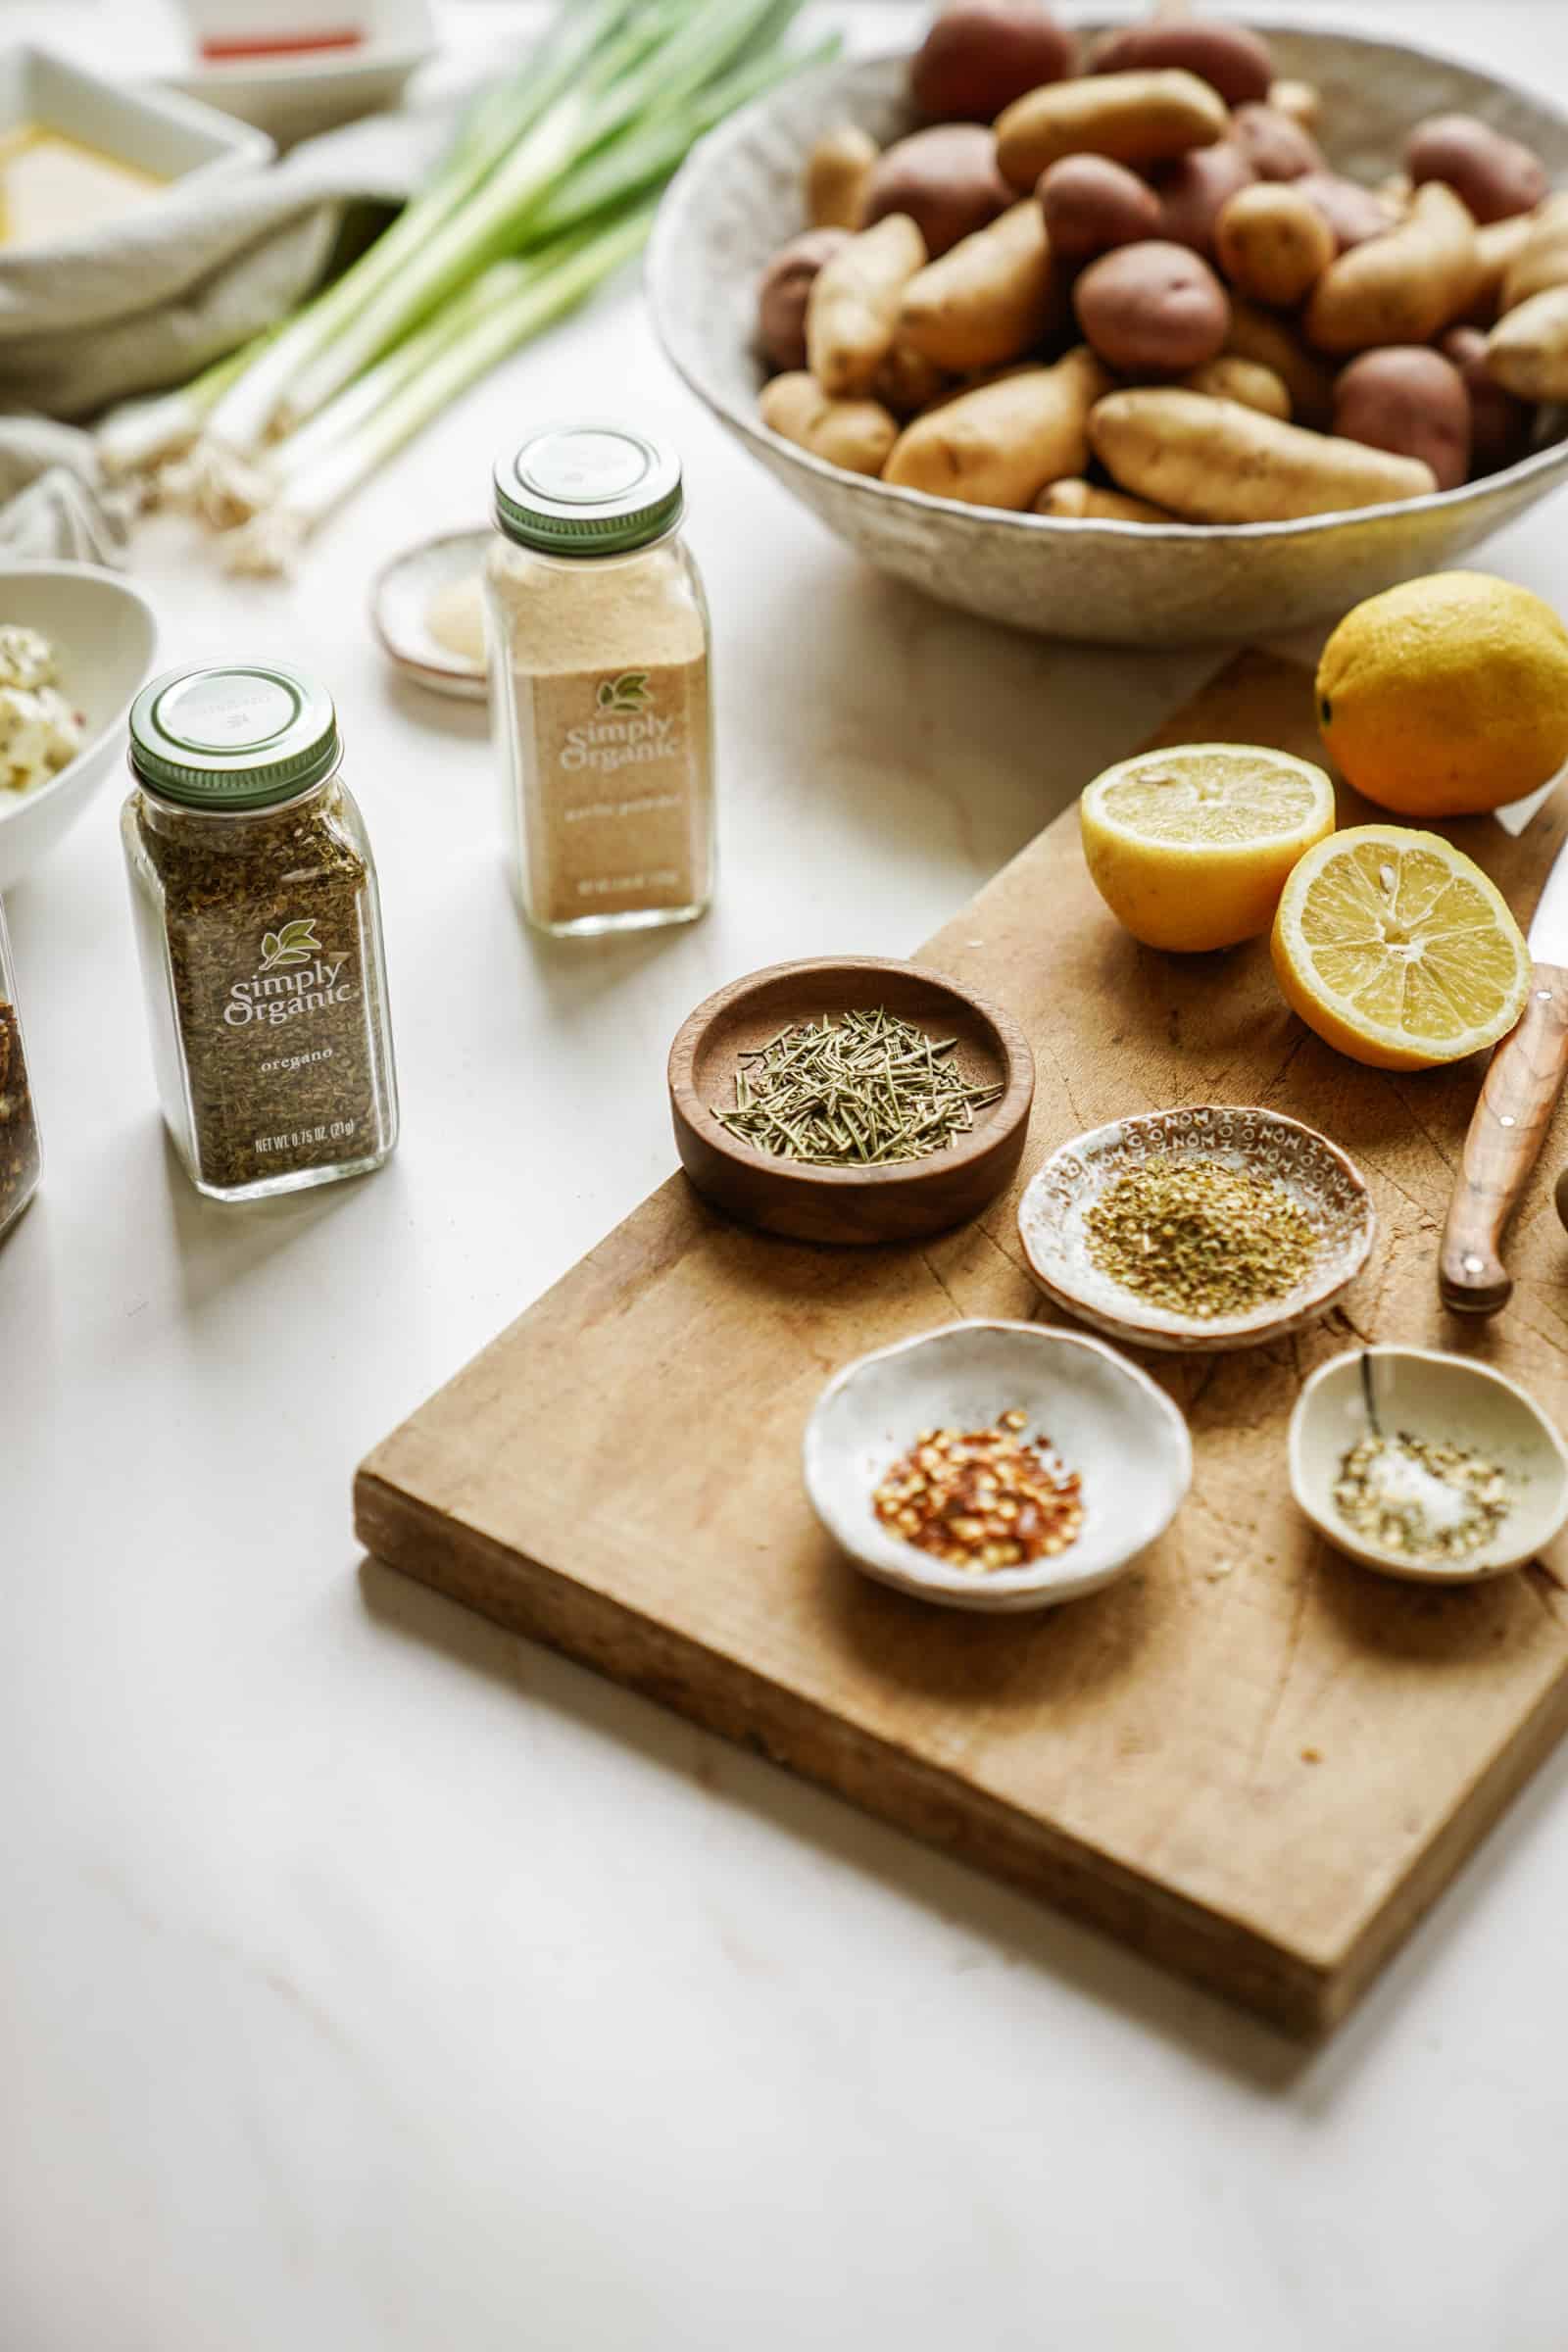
(597,648)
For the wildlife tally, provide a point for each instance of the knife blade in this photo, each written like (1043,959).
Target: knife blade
(1511,1117)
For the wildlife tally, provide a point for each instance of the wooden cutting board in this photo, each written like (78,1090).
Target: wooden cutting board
(1252,1760)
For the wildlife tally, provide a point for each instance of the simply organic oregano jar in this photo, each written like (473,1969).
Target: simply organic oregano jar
(259,924)
(597,642)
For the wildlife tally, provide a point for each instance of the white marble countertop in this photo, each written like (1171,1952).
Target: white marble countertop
(370,1979)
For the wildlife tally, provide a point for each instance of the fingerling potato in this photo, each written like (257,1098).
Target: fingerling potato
(1273,244)
(1402,287)
(851,312)
(988,299)
(1133,118)
(1212,461)
(1001,445)
(856,434)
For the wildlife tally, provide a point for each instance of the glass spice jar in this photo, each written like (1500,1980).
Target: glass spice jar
(259,925)
(20,1158)
(597,641)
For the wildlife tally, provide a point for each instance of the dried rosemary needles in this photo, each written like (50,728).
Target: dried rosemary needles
(863,1091)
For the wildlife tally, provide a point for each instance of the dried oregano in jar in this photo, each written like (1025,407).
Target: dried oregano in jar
(18,1128)
(260,928)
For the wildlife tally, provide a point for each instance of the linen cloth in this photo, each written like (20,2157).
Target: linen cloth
(172,285)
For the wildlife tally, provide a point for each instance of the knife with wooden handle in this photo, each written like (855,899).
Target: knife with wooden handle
(1511,1119)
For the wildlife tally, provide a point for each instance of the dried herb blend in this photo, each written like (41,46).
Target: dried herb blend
(1427,1501)
(19,1129)
(866,1090)
(982,1499)
(1200,1237)
(258,924)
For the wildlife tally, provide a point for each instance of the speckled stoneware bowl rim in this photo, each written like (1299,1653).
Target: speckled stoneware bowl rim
(665,261)
(1492,1560)
(1046,1582)
(1092,1298)
(453,676)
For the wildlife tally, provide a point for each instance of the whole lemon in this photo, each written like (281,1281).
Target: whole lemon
(1448,696)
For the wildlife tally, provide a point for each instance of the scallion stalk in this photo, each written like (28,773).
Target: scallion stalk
(506,305)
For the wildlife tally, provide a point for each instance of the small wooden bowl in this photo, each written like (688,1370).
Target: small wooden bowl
(1322,1180)
(902,1202)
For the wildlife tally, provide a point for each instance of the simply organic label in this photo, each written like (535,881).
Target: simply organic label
(280,1055)
(617,790)
(294,979)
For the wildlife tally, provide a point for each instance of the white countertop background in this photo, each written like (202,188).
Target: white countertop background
(369,1979)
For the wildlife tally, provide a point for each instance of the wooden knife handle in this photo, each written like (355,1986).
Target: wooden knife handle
(1502,1146)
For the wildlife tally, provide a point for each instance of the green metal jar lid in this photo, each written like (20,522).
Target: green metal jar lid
(592,488)
(238,735)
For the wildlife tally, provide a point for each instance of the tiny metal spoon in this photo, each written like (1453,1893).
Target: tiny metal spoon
(1366,1392)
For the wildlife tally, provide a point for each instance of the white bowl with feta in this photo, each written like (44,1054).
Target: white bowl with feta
(75,643)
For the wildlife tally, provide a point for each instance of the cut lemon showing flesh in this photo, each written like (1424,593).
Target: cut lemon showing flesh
(1395,946)
(1191,846)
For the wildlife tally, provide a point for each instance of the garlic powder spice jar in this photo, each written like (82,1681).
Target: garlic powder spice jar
(597,640)
(259,924)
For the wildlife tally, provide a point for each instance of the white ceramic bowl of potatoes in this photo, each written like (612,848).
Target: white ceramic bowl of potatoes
(1009,506)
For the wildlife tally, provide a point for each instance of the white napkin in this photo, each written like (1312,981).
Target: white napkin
(54,502)
(177,283)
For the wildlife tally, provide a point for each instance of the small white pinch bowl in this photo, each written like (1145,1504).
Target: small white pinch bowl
(1445,1400)
(400,604)
(1103,1417)
(1323,1181)
(105,635)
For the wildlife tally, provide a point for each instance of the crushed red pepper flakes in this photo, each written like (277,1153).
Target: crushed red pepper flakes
(982,1499)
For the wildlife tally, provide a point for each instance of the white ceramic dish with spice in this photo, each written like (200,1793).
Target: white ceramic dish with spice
(739,198)
(1104,1419)
(1317,1175)
(401,604)
(1438,1399)
(106,636)
(298,69)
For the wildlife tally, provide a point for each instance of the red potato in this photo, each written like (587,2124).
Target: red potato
(1152,309)
(1353,212)
(1408,399)
(782,292)
(980,55)
(946,179)
(1091,204)
(1276,147)
(1499,424)
(1229,58)
(1193,191)
(1495,177)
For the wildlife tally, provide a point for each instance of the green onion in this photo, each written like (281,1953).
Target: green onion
(511,302)
(625,78)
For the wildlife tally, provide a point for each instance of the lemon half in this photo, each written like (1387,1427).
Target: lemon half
(1396,948)
(1191,846)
